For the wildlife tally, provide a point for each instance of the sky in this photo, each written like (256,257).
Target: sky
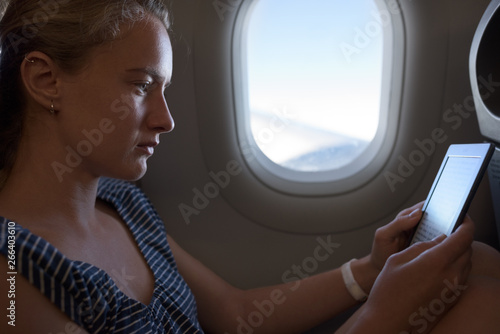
(319,59)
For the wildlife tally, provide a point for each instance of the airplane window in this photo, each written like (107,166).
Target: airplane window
(312,80)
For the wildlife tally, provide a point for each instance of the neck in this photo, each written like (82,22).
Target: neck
(35,197)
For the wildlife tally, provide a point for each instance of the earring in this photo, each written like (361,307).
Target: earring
(29,60)
(51,110)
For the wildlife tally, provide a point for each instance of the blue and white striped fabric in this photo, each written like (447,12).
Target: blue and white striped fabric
(88,295)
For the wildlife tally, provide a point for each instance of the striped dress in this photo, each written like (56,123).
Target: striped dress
(92,298)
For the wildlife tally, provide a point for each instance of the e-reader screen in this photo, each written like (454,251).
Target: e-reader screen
(452,191)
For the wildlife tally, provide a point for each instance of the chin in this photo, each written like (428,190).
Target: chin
(132,174)
(138,175)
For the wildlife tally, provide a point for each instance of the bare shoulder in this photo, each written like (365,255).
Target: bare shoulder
(22,305)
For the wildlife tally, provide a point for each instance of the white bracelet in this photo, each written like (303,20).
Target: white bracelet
(350,283)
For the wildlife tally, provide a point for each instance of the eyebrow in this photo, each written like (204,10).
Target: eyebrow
(152,72)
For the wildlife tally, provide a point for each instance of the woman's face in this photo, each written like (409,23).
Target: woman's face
(111,114)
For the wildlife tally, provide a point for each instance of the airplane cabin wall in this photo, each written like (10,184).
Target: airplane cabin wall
(229,238)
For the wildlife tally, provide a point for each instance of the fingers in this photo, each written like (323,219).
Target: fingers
(429,258)
(404,221)
(460,241)
(411,253)
(407,219)
(450,249)
(452,254)
(409,210)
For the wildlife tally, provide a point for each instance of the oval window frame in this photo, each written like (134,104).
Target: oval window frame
(351,176)
(303,210)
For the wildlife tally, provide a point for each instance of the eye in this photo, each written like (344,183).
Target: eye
(144,87)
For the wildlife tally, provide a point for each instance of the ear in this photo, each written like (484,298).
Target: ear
(41,79)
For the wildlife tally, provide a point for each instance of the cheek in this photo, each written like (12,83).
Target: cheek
(125,108)
(119,135)
(97,98)
(112,117)
(103,137)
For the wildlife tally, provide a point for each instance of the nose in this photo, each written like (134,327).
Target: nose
(161,120)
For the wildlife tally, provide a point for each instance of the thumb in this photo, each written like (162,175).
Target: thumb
(405,222)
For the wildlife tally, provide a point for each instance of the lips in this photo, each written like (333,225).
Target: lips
(148,147)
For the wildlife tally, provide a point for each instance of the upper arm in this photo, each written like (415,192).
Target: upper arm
(217,300)
(30,310)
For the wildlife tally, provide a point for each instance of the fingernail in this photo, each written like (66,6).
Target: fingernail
(442,237)
(415,213)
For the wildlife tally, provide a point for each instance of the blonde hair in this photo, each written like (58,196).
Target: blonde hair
(66,31)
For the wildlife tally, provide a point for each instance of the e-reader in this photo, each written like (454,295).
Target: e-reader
(453,189)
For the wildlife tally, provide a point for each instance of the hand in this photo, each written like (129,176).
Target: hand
(393,237)
(424,278)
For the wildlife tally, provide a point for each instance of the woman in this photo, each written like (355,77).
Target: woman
(82,105)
